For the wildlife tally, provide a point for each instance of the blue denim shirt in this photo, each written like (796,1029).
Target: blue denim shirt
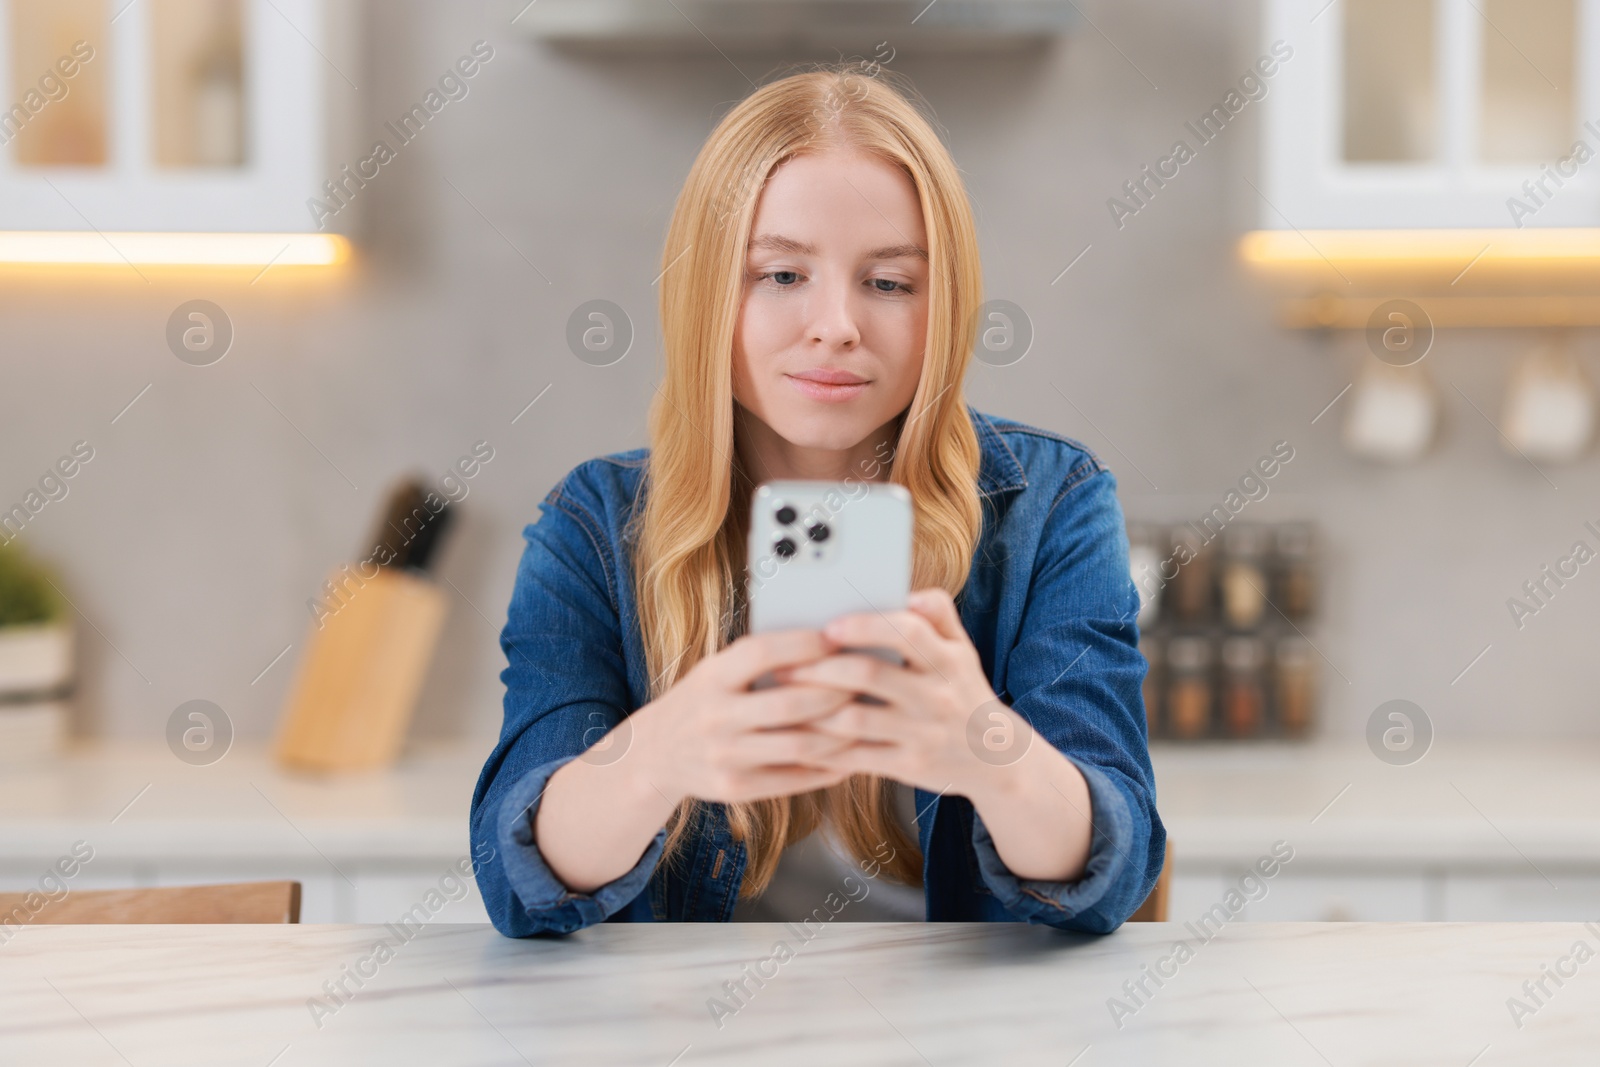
(1049,605)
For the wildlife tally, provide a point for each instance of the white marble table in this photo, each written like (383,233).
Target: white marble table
(1265,993)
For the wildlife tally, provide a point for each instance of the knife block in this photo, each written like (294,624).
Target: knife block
(364,665)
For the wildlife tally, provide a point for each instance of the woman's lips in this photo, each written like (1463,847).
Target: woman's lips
(825,392)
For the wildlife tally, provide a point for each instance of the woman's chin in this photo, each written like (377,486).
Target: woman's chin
(825,431)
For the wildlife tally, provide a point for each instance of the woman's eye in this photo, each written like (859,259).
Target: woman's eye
(784,278)
(889,285)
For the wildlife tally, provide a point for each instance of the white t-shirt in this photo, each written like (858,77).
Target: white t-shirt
(818,866)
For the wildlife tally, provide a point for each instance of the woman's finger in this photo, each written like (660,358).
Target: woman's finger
(864,722)
(939,608)
(753,655)
(787,781)
(787,705)
(907,632)
(857,672)
(883,758)
(790,745)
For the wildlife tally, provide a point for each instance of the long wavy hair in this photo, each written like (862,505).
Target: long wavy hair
(689,536)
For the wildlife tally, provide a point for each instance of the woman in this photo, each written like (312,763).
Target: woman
(819,301)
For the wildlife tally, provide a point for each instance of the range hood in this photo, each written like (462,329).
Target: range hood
(827,29)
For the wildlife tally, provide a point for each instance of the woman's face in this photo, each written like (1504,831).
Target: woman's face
(836,289)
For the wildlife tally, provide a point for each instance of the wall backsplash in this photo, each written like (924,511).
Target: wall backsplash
(217,503)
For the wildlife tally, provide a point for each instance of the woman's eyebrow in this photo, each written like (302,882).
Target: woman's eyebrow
(898,252)
(778,243)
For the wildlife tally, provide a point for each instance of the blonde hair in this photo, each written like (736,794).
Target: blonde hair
(690,534)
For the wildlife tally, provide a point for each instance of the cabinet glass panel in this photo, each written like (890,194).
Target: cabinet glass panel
(1390,94)
(56,116)
(197,52)
(1528,109)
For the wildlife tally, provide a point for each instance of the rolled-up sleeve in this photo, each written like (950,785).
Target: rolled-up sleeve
(544,898)
(566,687)
(1078,905)
(1076,675)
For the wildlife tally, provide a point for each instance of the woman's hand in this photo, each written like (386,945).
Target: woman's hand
(942,728)
(707,737)
(710,737)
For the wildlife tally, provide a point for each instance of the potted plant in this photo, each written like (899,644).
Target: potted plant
(36,665)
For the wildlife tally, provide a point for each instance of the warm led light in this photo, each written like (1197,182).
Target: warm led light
(258,250)
(1421,248)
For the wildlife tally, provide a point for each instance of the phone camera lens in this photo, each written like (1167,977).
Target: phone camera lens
(818,532)
(783,548)
(785,515)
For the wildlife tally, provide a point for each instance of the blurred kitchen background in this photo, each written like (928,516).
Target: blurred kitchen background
(1374,255)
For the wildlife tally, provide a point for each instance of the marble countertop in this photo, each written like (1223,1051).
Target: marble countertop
(1482,804)
(854,993)
(140,801)
(1466,804)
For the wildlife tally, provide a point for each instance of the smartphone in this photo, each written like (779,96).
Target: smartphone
(821,549)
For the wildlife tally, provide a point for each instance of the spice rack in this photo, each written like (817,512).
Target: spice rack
(1222,623)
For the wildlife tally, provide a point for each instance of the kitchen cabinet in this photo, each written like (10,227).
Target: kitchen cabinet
(373,894)
(1377,897)
(1471,897)
(1417,114)
(1459,836)
(172,116)
(1422,895)
(365,847)
(1302,897)
(1442,151)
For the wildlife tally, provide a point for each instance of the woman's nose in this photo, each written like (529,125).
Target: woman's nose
(833,319)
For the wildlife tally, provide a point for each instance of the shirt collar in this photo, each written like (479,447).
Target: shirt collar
(999,470)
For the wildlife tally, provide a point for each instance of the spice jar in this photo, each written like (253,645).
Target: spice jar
(1295,571)
(1189,595)
(1244,686)
(1244,575)
(1296,681)
(1188,705)
(1150,647)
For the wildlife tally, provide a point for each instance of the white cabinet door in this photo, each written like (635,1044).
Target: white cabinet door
(425,894)
(1405,114)
(26,878)
(294,94)
(1192,893)
(1522,898)
(1292,896)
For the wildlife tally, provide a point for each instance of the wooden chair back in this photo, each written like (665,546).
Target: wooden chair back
(1154,908)
(243,902)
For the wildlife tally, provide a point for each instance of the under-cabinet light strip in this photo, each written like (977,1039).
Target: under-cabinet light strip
(1422,247)
(257,250)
